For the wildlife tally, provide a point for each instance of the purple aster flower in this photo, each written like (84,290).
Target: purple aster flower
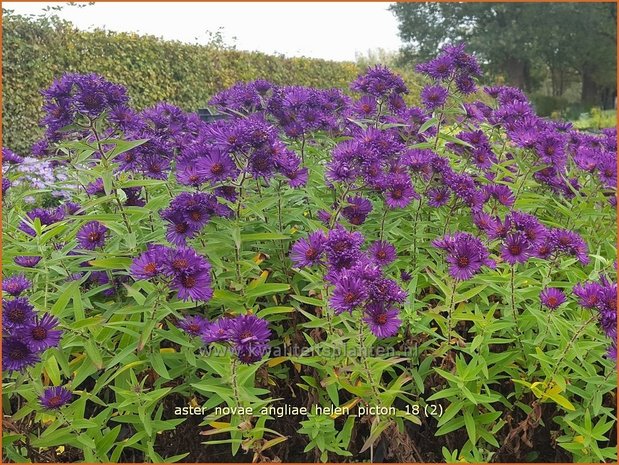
(465,253)
(217,166)
(27,261)
(399,192)
(150,263)
(10,157)
(194,285)
(16,284)
(365,107)
(40,334)
(190,274)
(154,166)
(441,68)
(249,336)
(607,306)
(183,261)
(324,217)
(46,217)
(501,193)
(385,291)
(405,276)
(382,322)
(528,224)
(193,325)
(516,248)
(261,164)
(179,229)
(588,294)
(569,242)
(217,331)
(16,355)
(17,313)
(382,252)
(357,210)
(6,185)
(195,208)
(434,96)
(612,351)
(350,292)
(188,174)
(308,251)
(133,197)
(72,208)
(95,187)
(91,236)
(379,82)
(55,397)
(228,193)
(297,178)
(551,297)
(343,247)
(487,223)
(438,196)
(465,84)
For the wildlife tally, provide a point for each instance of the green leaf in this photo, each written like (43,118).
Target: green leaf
(308,300)
(267,289)
(52,370)
(263,237)
(469,423)
(114,263)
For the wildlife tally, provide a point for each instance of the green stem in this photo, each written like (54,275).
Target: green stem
(569,346)
(450,310)
(382,224)
(364,360)
(114,186)
(515,311)
(235,387)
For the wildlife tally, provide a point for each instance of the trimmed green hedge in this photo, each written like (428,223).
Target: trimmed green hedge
(37,50)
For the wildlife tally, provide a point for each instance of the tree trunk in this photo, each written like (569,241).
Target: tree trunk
(590,91)
(516,73)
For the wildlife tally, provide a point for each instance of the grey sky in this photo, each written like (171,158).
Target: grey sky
(330,30)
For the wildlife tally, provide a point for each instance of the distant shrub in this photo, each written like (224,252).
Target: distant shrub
(39,49)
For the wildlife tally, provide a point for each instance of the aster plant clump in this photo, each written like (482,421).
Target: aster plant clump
(430,274)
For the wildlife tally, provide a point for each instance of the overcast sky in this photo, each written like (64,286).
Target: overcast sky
(330,30)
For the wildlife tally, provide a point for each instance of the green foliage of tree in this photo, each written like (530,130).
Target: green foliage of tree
(523,42)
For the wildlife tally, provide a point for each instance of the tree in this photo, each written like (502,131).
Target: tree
(522,42)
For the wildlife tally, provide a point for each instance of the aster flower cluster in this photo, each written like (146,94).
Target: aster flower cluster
(602,296)
(301,110)
(188,213)
(523,236)
(45,216)
(453,64)
(254,146)
(182,269)
(39,174)
(373,160)
(298,110)
(466,255)
(357,276)
(26,333)
(246,335)
(554,145)
(75,99)
(9,159)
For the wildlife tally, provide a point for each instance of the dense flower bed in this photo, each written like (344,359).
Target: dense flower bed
(325,277)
